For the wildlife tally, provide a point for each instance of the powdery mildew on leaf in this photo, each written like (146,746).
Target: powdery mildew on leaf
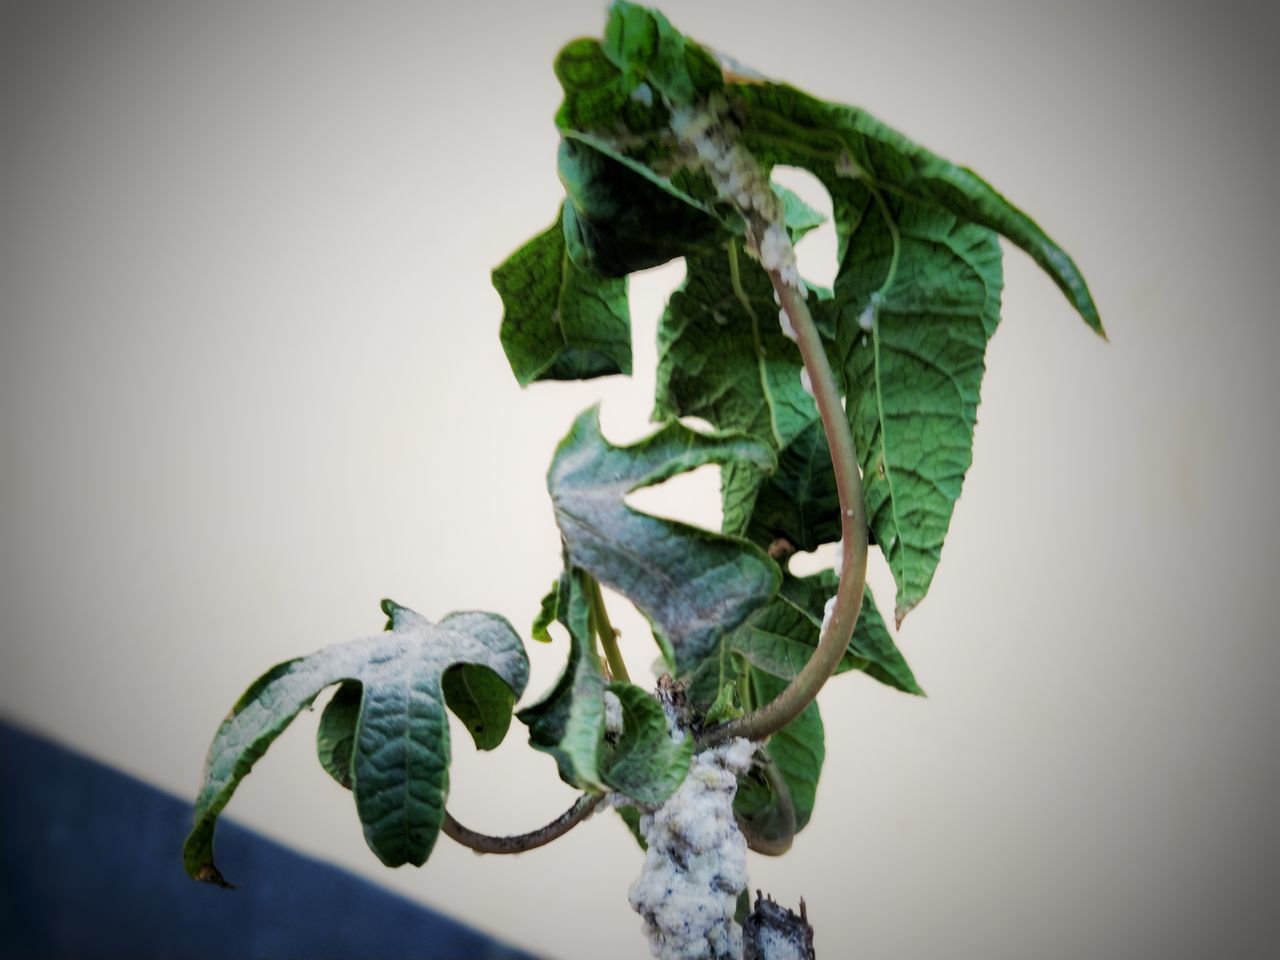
(691,583)
(399,750)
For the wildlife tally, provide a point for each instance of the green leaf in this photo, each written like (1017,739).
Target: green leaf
(725,707)
(871,648)
(336,735)
(928,286)
(798,750)
(784,125)
(631,817)
(781,124)
(548,613)
(780,637)
(568,723)
(913,388)
(482,701)
(400,762)
(632,205)
(646,764)
(722,355)
(798,501)
(692,584)
(560,323)
(642,42)
(619,220)
(797,215)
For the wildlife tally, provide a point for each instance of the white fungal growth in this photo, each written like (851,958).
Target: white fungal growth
(690,125)
(778,254)
(776,945)
(709,138)
(696,864)
(788,330)
(806,382)
(612,714)
(867,318)
(828,611)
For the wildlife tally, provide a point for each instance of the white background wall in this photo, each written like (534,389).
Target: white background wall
(250,383)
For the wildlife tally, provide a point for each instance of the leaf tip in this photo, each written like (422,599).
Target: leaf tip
(210,874)
(900,614)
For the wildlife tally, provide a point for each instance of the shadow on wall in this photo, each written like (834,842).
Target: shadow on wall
(91,870)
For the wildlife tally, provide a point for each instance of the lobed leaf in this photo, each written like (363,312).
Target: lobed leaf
(642,42)
(568,722)
(798,502)
(692,584)
(645,764)
(919,264)
(399,748)
(784,125)
(722,355)
(558,322)
(336,734)
(871,648)
(780,637)
(928,285)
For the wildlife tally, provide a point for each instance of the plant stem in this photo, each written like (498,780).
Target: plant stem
(483,843)
(800,692)
(607,634)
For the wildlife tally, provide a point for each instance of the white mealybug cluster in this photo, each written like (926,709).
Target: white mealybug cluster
(867,318)
(779,254)
(776,945)
(612,714)
(827,612)
(708,134)
(806,382)
(643,93)
(788,330)
(696,864)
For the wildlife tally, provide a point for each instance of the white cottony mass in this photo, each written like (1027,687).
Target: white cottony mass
(696,864)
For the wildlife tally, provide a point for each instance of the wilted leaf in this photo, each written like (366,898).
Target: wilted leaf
(568,723)
(692,584)
(645,764)
(400,761)
(558,322)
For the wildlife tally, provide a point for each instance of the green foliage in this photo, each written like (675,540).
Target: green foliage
(397,760)
(645,764)
(559,322)
(652,129)
(691,583)
(916,296)
(798,750)
(568,722)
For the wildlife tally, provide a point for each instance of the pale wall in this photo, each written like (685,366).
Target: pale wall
(250,383)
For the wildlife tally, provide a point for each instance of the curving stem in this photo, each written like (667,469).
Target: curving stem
(483,843)
(800,692)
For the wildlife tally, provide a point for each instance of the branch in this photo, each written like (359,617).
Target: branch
(800,692)
(483,843)
(606,632)
(708,136)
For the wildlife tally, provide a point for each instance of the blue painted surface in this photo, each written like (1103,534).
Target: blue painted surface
(90,869)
